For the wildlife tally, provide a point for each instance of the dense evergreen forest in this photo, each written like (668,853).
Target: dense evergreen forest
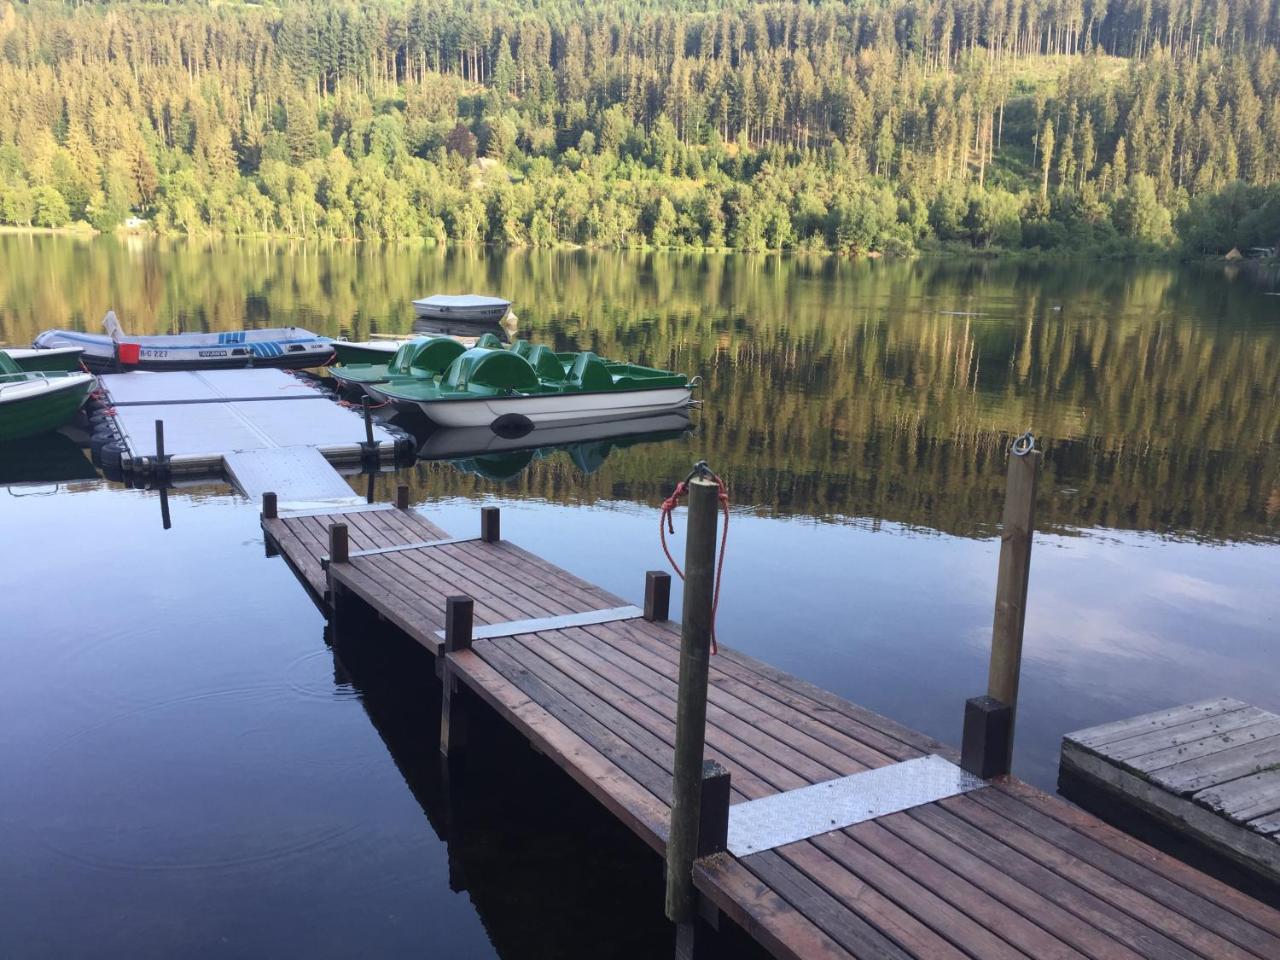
(878,126)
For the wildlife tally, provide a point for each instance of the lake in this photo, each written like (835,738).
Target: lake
(189,768)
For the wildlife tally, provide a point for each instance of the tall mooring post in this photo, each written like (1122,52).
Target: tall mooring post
(691,703)
(989,721)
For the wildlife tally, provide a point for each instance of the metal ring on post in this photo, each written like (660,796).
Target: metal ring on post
(1023,445)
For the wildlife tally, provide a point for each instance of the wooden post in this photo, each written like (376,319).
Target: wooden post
(270,506)
(985,751)
(490,524)
(338,543)
(1016,529)
(691,699)
(713,824)
(459,616)
(368,421)
(159,442)
(657,595)
(402,497)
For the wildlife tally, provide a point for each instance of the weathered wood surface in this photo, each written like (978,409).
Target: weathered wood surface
(1003,872)
(1210,768)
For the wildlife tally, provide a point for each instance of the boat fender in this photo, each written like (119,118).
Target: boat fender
(113,455)
(512,426)
(113,472)
(99,440)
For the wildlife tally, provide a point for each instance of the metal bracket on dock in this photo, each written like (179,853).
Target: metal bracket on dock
(783,818)
(398,547)
(513,628)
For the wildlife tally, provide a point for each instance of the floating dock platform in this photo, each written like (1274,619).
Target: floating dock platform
(263,429)
(1211,770)
(844,835)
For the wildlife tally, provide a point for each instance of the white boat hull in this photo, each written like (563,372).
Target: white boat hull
(557,408)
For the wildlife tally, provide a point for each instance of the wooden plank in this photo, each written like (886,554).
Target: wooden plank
(827,913)
(1223,767)
(639,810)
(1186,934)
(1023,900)
(1181,901)
(1159,720)
(889,916)
(1246,798)
(1184,815)
(639,767)
(1086,904)
(812,760)
(1159,759)
(762,913)
(558,691)
(857,741)
(410,619)
(1226,896)
(1183,734)
(947,903)
(753,772)
(907,743)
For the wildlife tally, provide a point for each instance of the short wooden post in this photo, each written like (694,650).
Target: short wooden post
(490,524)
(402,496)
(691,699)
(459,616)
(985,749)
(339,551)
(657,595)
(1016,528)
(713,824)
(270,506)
(159,441)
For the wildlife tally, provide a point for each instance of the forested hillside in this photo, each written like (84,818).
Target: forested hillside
(887,125)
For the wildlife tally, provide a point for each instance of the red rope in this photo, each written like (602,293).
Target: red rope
(666,524)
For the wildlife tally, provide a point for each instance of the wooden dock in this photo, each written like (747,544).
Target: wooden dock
(1209,769)
(991,870)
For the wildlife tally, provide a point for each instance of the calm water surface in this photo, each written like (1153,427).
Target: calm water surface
(188,767)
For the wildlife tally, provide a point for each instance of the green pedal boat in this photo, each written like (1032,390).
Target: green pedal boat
(519,387)
(32,403)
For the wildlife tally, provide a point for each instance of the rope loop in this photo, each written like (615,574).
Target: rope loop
(666,525)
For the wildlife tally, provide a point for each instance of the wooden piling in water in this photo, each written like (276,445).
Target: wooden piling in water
(402,496)
(270,506)
(691,698)
(990,720)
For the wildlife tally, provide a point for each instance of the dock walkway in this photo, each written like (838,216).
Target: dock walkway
(977,870)
(1211,769)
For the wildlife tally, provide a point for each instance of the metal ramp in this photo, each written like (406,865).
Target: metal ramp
(264,428)
(300,476)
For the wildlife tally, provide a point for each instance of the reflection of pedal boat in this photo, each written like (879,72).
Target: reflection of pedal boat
(484,453)
(454,444)
(524,385)
(287,347)
(36,403)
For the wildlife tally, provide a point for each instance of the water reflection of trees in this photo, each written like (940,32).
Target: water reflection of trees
(833,388)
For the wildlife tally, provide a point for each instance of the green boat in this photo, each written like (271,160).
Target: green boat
(37,359)
(424,358)
(522,385)
(32,403)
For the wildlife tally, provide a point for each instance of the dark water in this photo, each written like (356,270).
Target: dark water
(188,768)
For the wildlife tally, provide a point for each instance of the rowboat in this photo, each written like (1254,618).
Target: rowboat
(54,358)
(32,403)
(466,308)
(287,347)
(510,390)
